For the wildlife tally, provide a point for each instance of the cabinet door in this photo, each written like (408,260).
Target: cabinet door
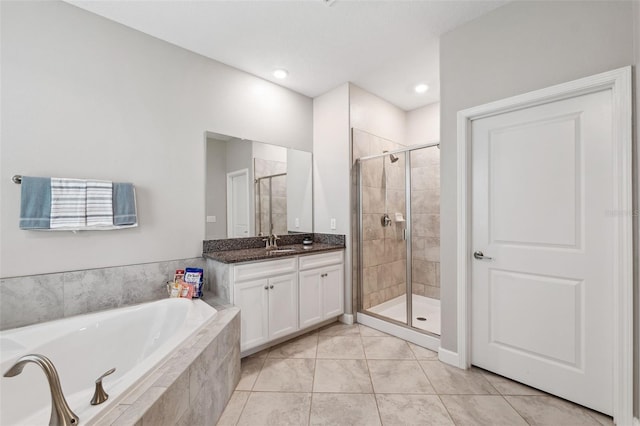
(310,297)
(252,297)
(283,305)
(332,279)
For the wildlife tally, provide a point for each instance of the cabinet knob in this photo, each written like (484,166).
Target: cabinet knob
(266,287)
(271,286)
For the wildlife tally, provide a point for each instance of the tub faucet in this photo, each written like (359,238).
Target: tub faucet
(61,414)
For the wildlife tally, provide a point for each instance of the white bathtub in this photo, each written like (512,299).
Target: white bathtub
(134,340)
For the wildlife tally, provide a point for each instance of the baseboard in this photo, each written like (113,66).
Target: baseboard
(449,357)
(346,319)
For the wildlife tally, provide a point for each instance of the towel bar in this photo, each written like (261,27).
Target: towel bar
(17,179)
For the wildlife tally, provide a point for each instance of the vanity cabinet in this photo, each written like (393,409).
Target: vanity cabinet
(280,297)
(267,294)
(269,308)
(321,287)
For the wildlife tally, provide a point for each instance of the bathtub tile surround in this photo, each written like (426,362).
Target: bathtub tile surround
(30,300)
(38,298)
(194,385)
(404,384)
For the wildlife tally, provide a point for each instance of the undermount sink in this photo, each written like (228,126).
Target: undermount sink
(282,250)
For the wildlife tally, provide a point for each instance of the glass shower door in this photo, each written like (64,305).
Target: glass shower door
(383,246)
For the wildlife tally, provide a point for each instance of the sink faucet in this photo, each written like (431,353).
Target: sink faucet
(61,414)
(272,242)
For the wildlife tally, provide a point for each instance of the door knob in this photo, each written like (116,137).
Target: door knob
(479,255)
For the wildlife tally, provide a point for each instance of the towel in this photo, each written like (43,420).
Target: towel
(124,204)
(68,203)
(99,203)
(35,203)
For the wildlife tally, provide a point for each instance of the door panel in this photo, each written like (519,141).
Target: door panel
(283,305)
(541,307)
(310,298)
(333,291)
(253,300)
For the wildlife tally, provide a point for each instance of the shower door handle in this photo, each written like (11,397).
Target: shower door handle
(480,256)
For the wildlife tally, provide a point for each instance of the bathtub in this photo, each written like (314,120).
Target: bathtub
(135,340)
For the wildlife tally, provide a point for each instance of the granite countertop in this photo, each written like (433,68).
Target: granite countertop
(251,254)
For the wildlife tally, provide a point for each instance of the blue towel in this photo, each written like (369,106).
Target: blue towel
(35,203)
(124,204)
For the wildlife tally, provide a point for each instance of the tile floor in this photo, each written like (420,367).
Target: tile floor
(355,375)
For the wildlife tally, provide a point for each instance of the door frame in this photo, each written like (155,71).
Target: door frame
(230,218)
(619,82)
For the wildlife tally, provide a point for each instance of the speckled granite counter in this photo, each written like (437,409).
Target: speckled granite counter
(252,254)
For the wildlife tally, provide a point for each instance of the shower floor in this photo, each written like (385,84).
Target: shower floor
(423,307)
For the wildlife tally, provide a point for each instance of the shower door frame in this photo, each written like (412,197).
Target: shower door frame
(408,235)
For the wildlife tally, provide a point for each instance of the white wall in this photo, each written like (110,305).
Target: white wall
(517,48)
(423,125)
(216,189)
(376,115)
(88,98)
(636,38)
(299,191)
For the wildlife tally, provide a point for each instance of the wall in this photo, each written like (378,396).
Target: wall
(506,53)
(89,98)
(423,125)
(376,115)
(331,169)
(216,189)
(299,191)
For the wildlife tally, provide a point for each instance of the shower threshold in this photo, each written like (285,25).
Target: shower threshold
(426,312)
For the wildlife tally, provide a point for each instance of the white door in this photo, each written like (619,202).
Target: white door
(310,297)
(238,204)
(541,307)
(283,305)
(332,291)
(252,298)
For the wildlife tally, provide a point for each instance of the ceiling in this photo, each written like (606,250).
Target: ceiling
(385,47)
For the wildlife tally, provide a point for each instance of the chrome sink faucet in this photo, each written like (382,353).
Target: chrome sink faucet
(61,414)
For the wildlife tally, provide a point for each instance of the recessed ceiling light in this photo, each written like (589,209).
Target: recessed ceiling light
(421,88)
(280,73)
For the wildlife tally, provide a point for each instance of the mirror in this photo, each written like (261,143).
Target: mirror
(254,189)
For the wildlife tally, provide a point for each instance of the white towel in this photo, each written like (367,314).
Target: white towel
(68,203)
(99,203)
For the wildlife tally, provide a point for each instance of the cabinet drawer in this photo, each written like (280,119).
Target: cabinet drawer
(264,269)
(319,260)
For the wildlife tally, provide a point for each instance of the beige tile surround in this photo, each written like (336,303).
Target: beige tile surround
(384,251)
(354,375)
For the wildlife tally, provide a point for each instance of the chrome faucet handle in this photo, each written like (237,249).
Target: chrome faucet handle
(100,396)
(268,241)
(275,241)
(61,414)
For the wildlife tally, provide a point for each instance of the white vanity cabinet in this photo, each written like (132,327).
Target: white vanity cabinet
(282,296)
(321,284)
(267,294)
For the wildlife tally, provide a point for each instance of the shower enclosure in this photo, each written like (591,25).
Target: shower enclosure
(398,220)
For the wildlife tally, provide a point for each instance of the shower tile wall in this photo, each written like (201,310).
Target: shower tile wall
(425,214)
(278,194)
(384,251)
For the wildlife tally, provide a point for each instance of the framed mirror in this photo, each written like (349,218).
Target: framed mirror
(253,189)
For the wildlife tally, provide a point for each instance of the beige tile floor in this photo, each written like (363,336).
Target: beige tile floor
(354,375)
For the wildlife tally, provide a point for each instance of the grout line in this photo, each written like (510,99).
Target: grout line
(514,409)
(241,410)
(446,409)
